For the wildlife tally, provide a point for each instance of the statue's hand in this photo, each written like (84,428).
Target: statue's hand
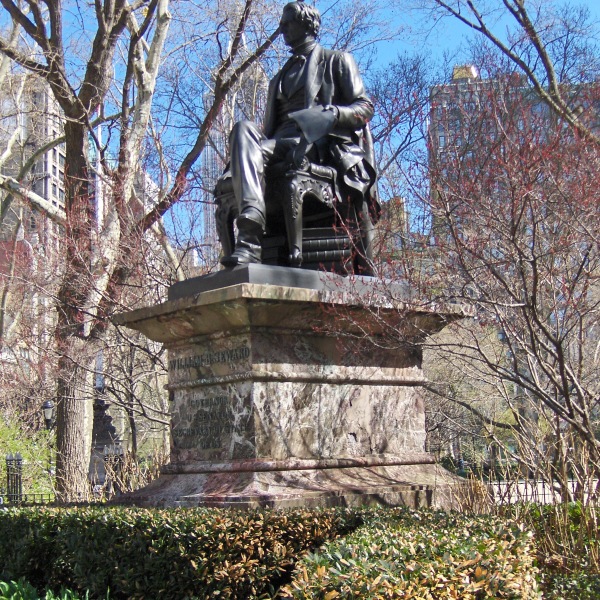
(334,109)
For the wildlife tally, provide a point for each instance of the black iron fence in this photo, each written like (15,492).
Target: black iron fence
(26,499)
(14,477)
(13,493)
(112,482)
(502,492)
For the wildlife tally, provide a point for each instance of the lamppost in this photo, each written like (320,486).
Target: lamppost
(48,411)
(49,422)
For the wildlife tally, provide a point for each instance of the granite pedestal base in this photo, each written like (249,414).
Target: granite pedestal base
(290,395)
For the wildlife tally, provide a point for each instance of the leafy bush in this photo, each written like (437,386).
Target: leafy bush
(182,553)
(575,586)
(401,553)
(35,448)
(567,547)
(22,590)
(567,534)
(212,553)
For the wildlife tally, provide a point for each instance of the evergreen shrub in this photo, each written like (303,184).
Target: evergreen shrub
(151,553)
(128,552)
(425,555)
(23,590)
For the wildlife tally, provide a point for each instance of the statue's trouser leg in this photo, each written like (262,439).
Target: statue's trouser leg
(247,169)
(247,177)
(250,153)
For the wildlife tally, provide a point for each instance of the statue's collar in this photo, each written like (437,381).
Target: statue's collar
(304,49)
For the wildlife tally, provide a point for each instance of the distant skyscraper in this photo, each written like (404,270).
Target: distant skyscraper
(247,103)
(471,121)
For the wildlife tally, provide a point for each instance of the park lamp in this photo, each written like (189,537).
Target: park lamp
(48,410)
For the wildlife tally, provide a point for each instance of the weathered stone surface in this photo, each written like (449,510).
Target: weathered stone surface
(273,276)
(278,401)
(412,484)
(291,419)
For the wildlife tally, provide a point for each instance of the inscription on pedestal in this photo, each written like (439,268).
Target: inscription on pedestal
(201,362)
(212,426)
(209,358)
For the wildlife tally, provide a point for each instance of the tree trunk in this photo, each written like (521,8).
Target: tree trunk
(74,419)
(76,352)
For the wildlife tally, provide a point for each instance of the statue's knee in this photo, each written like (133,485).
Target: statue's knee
(245,129)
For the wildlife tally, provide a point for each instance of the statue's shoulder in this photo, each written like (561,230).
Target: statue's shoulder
(334,54)
(337,56)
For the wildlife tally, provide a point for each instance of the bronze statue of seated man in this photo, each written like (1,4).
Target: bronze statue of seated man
(328,82)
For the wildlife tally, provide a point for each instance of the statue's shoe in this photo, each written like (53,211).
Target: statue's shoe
(295,258)
(239,257)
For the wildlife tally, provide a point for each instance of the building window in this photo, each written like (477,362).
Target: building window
(54,190)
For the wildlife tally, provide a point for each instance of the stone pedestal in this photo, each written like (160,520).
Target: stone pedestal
(286,393)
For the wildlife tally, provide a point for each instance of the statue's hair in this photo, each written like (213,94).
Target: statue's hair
(306,14)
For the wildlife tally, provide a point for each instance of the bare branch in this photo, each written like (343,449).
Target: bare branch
(180,184)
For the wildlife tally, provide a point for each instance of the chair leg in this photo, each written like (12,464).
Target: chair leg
(292,210)
(363,260)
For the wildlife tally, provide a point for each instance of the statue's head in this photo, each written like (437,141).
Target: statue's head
(305,14)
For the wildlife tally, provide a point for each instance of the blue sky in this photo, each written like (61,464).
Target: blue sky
(449,35)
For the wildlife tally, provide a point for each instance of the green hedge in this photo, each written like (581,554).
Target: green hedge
(212,553)
(423,555)
(23,590)
(571,586)
(183,553)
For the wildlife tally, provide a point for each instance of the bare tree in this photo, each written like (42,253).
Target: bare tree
(514,196)
(132,380)
(101,246)
(510,186)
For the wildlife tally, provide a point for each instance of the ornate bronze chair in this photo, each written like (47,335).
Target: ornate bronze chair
(303,200)
(304,203)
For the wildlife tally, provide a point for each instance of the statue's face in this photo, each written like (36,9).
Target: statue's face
(294,32)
